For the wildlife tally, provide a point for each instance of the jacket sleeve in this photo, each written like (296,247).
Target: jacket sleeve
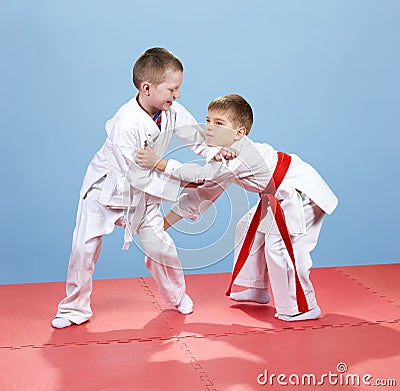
(226,170)
(213,178)
(192,202)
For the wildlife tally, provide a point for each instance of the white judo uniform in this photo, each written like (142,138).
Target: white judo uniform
(304,197)
(117,192)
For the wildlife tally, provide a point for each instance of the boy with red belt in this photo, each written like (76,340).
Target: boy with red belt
(281,231)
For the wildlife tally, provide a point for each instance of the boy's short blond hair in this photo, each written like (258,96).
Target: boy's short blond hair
(153,65)
(236,108)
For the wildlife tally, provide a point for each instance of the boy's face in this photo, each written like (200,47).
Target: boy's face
(161,96)
(219,130)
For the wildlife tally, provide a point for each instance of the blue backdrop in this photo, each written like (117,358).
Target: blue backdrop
(322,77)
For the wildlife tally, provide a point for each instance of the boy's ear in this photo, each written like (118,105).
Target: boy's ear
(145,88)
(240,133)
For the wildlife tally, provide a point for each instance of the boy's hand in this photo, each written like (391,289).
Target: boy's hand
(146,158)
(225,153)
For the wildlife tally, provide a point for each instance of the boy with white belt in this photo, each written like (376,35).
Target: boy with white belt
(117,192)
(285,225)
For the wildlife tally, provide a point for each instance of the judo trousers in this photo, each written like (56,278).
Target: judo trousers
(269,258)
(95,220)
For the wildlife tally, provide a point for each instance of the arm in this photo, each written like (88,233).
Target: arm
(217,178)
(141,178)
(191,200)
(188,172)
(170,219)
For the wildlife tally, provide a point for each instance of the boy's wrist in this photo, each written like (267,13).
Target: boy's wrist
(161,165)
(170,219)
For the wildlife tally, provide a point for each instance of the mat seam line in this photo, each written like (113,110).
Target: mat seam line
(213,335)
(208,384)
(368,288)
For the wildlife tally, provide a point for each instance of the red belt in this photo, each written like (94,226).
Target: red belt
(267,198)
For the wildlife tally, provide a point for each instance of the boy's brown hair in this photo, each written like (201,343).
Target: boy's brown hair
(236,108)
(153,65)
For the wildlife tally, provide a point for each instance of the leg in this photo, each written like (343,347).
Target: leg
(254,273)
(162,259)
(282,271)
(93,220)
(75,307)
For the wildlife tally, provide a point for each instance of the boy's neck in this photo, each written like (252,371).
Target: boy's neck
(149,110)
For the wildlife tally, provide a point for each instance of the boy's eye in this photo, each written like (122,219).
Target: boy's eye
(219,123)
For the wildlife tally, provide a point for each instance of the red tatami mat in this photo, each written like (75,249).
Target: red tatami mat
(381,279)
(113,366)
(342,301)
(235,362)
(124,309)
(135,342)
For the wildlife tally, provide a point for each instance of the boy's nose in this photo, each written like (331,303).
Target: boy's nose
(177,94)
(208,128)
